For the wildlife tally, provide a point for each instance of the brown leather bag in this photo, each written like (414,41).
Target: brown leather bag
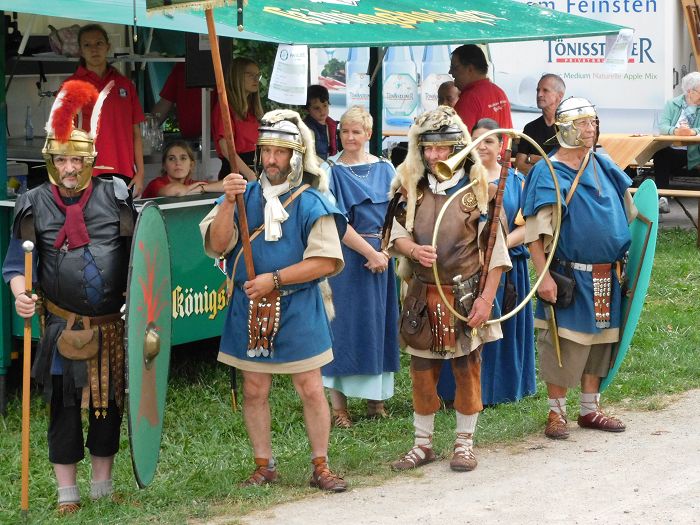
(415,326)
(78,345)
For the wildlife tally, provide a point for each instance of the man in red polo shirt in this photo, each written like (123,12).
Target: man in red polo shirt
(479,97)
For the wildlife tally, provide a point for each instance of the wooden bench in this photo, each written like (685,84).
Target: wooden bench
(678,195)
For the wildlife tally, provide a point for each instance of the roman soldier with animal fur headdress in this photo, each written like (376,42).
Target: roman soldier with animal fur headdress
(81,228)
(429,329)
(276,323)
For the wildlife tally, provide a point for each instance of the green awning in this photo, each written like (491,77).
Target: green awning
(344,23)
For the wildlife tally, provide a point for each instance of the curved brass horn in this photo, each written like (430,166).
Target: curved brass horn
(555,237)
(445,169)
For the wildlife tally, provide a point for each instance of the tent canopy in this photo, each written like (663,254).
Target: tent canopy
(342,23)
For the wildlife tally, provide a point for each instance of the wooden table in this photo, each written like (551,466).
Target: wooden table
(626,149)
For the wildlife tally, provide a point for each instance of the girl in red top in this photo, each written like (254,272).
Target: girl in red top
(242,85)
(176,179)
(119,146)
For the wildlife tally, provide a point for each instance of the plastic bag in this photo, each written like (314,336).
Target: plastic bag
(64,41)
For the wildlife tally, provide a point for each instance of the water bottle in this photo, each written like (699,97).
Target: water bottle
(435,67)
(28,125)
(400,88)
(356,78)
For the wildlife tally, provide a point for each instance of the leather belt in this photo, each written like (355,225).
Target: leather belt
(581,267)
(370,235)
(65,314)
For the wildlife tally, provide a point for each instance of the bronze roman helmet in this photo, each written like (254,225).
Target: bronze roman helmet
(63,138)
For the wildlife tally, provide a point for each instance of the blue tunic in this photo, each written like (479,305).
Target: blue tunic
(593,230)
(508,364)
(365,329)
(304,330)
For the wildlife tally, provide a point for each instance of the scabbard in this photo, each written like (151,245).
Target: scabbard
(554,331)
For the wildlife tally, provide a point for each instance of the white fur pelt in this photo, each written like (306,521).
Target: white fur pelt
(311,164)
(412,169)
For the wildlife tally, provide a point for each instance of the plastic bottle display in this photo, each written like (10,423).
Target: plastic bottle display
(28,125)
(356,77)
(436,64)
(400,88)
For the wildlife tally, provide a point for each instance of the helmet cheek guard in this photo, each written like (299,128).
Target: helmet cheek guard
(79,145)
(567,113)
(449,135)
(283,134)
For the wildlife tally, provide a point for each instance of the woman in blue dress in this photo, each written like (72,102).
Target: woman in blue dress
(365,328)
(507,365)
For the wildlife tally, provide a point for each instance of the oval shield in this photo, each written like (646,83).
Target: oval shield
(640,259)
(148,338)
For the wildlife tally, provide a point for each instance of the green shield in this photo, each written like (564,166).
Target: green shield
(640,260)
(148,333)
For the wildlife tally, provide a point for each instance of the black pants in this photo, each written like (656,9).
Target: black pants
(65,435)
(669,162)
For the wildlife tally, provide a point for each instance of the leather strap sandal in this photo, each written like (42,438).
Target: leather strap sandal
(323,477)
(463,459)
(556,426)
(68,508)
(416,457)
(341,418)
(599,421)
(262,475)
(376,410)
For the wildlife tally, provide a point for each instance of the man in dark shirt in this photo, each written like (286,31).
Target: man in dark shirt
(550,92)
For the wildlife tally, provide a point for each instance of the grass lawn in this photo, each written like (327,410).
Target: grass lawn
(205,452)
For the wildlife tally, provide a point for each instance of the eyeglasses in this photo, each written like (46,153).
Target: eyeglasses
(253,76)
(583,124)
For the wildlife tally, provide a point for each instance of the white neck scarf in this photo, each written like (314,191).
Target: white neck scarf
(439,188)
(275,214)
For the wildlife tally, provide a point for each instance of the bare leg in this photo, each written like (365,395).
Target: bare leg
(317,417)
(66,475)
(556,391)
(590,384)
(338,399)
(256,412)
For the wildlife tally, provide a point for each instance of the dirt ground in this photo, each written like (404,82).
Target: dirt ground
(648,474)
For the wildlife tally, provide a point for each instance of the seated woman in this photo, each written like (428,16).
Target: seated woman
(680,117)
(176,179)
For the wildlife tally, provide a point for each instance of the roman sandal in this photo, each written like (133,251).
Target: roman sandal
(323,477)
(418,456)
(262,475)
(341,418)
(556,426)
(599,421)
(463,459)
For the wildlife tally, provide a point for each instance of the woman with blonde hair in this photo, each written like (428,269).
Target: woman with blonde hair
(365,328)
(178,166)
(245,108)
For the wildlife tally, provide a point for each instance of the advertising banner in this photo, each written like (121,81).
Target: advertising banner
(581,62)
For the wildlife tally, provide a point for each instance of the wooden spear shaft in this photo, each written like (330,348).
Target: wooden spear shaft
(27,246)
(228,137)
(494,222)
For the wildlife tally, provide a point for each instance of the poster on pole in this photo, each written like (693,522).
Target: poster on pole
(289,75)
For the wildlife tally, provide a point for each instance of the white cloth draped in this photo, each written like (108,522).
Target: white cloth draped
(275,214)
(439,188)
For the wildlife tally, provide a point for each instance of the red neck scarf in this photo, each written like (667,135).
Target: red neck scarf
(74,229)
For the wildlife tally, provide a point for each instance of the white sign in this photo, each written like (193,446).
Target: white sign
(582,62)
(289,75)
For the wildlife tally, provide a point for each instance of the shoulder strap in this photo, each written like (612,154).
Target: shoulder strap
(574,184)
(261,228)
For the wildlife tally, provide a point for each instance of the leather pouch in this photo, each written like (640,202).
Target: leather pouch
(565,289)
(78,345)
(415,326)
(510,295)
